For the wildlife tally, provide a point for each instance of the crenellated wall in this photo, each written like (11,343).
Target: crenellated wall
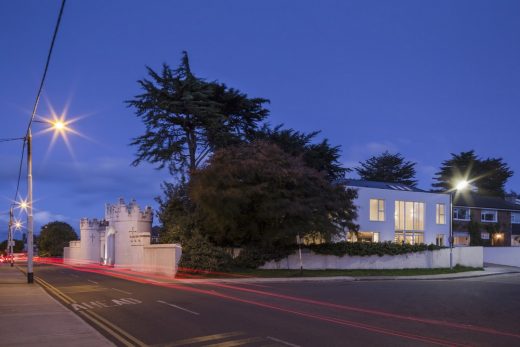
(122,239)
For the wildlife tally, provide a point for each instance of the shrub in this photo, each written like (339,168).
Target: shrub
(199,253)
(254,256)
(366,249)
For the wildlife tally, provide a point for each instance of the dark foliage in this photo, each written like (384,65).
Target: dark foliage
(54,237)
(388,167)
(488,176)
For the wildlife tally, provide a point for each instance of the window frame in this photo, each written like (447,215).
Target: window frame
(439,214)
(483,212)
(457,209)
(513,221)
(380,211)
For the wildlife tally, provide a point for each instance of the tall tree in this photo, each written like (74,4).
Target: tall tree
(257,193)
(388,167)
(54,237)
(187,118)
(320,156)
(488,176)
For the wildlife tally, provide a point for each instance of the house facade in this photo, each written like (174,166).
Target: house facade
(399,213)
(486,221)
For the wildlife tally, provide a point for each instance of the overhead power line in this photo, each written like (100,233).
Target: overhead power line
(38,95)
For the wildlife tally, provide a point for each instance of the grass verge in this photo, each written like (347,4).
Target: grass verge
(324,273)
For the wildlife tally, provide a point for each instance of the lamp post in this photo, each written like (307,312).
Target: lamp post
(59,126)
(30,226)
(460,186)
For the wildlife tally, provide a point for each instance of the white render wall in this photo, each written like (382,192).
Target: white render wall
(465,256)
(387,228)
(502,255)
(122,239)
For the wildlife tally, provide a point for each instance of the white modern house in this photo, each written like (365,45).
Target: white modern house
(400,213)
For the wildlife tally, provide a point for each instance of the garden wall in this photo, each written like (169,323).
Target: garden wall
(465,256)
(502,255)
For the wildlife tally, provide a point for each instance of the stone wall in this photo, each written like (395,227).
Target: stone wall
(161,259)
(465,256)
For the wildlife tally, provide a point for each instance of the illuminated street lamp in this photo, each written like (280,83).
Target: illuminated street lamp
(461,185)
(60,127)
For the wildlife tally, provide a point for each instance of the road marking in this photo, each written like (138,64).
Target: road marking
(180,308)
(109,326)
(281,341)
(206,338)
(105,303)
(93,282)
(99,321)
(122,291)
(236,342)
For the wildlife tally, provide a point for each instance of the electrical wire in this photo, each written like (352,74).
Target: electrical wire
(38,95)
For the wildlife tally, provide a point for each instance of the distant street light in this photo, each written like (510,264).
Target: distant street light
(461,185)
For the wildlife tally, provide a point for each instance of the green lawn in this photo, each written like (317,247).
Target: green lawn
(326,273)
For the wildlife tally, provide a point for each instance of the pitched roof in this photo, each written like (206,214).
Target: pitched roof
(381,185)
(471,199)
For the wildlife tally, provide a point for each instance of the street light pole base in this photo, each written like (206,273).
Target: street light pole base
(30,277)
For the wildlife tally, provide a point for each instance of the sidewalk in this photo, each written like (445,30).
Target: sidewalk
(31,317)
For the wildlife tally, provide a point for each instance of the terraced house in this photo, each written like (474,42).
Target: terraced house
(483,220)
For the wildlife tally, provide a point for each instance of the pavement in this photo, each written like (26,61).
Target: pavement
(28,308)
(29,316)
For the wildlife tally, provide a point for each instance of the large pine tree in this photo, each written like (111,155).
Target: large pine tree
(388,167)
(488,176)
(187,118)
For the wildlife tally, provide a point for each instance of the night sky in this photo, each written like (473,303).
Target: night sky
(423,78)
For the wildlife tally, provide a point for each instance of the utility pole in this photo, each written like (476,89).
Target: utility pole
(10,238)
(30,247)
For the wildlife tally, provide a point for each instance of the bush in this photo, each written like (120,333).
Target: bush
(366,249)
(254,256)
(199,253)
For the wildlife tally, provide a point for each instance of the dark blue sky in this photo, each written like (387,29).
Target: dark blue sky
(424,78)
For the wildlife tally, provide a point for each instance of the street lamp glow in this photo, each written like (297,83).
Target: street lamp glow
(17,225)
(23,204)
(462,185)
(58,125)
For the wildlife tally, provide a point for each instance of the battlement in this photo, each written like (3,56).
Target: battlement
(132,211)
(94,223)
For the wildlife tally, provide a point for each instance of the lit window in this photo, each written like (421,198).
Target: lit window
(488,215)
(377,210)
(439,240)
(515,217)
(461,214)
(440,214)
(409,215)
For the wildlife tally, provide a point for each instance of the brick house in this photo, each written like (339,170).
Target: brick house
(484,220)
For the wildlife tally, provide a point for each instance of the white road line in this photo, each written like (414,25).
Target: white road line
(180,308)
(93,282)
(281,341)
(122,291)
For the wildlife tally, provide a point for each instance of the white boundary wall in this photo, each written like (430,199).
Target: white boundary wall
(465,256)
(502,255)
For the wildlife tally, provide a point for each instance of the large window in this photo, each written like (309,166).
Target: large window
(363,236)
(488,215)
(440,214)
(409,215)
(461,213)
(412,237)
(439,240)
(377,210)
(515,217)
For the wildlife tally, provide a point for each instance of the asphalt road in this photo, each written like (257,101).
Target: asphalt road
(481,311)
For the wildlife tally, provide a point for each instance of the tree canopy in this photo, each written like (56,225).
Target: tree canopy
(54,237)
(388,167)
(320,156)
(187,118)
(257,193)
(488,176)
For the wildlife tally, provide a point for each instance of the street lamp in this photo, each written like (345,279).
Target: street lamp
(59,126)
(461,185)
